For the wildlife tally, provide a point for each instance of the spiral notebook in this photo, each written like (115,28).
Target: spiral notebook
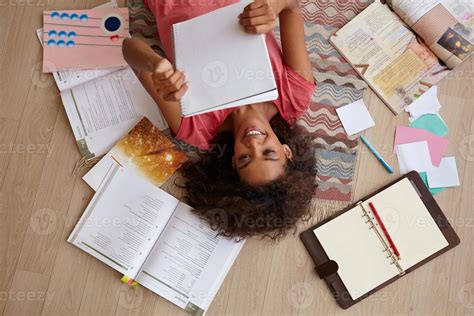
(224,66)
(357,257)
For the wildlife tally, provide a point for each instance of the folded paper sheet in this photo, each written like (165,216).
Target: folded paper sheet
(437,145)
(84,39)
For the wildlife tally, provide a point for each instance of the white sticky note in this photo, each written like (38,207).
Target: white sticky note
(355,117)
(446,175)
(414,156)
(427,103)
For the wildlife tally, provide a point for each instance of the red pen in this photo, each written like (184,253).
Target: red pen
(384,229)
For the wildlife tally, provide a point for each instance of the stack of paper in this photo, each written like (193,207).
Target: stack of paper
(422,146)
(437,146)
(97,128)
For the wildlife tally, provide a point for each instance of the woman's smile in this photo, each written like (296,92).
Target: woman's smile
(253,131)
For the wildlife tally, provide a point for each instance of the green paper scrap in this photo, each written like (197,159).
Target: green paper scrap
(432,123)
(425,180)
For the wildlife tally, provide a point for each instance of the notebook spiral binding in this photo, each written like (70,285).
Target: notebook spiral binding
(177,66)
(387,247)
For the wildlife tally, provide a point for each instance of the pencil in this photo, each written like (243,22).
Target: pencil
(376,154)
(384,229)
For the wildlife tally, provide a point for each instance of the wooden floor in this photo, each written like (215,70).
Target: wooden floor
(40,201)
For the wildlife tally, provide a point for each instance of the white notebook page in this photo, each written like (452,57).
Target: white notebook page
(363,264)
(410,225)
(222,63)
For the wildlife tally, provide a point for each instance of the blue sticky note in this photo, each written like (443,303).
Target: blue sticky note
(432,123)
(425,180)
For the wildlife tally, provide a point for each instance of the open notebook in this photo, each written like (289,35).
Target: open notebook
(352,252)
(224,66)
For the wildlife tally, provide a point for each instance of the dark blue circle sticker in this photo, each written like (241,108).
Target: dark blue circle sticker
(112,24)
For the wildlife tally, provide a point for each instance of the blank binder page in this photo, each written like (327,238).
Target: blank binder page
(348,240)
(410,225)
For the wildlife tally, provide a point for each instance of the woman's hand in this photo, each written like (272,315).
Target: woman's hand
(260,16)
(168,82)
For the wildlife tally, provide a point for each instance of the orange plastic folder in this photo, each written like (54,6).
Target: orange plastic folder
(84,39)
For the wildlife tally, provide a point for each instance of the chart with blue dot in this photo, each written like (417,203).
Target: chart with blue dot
(99,32)
(60,35)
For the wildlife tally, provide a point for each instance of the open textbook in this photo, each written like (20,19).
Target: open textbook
(102,105)
(230,67)
(102,111)
(144,233)
(402,53)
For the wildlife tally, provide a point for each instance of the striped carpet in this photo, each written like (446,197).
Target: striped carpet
(337,84)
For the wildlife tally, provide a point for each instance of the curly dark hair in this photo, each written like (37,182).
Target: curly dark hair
(238,210)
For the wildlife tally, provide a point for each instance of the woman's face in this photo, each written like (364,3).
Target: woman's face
(259,157)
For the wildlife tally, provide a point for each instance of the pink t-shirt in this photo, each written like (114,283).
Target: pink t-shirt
(294,91)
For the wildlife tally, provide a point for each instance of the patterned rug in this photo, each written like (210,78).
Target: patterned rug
(337,84)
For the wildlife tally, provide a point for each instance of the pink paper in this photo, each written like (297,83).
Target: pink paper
(437,145)
(95,41)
